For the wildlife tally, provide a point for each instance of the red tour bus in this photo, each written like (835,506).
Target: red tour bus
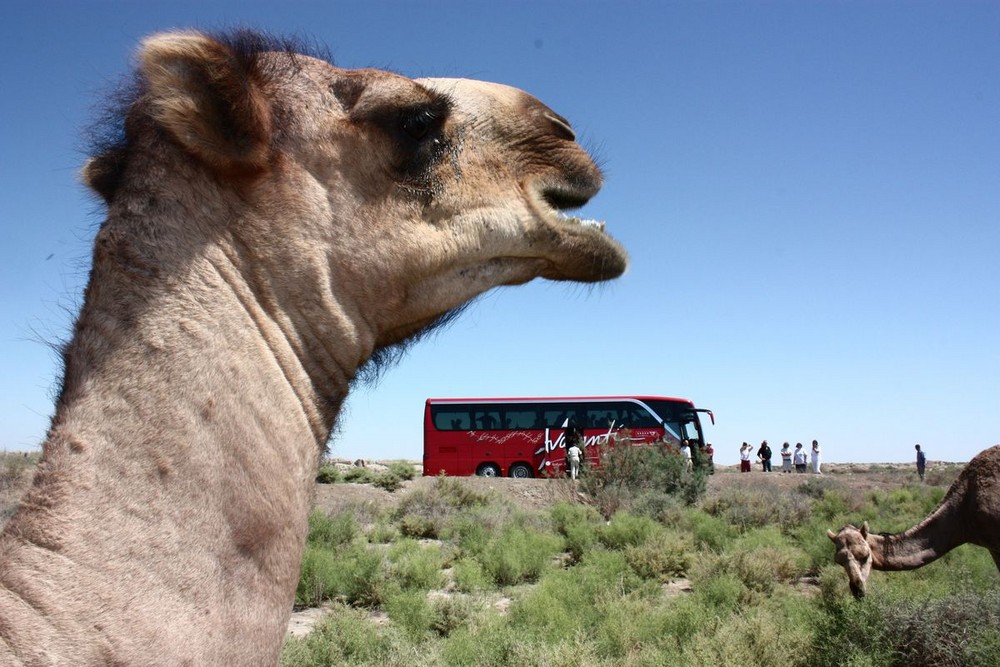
(525,437)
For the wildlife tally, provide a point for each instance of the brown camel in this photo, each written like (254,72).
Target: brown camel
(969,513)
(273,223)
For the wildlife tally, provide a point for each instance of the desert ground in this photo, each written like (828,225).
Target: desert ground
(529,494)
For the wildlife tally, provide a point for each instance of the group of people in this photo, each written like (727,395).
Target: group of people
(789,457)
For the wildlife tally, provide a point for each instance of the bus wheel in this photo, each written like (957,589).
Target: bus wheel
(520,470)
(488,470)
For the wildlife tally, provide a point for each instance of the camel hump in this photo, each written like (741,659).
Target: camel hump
(210,98)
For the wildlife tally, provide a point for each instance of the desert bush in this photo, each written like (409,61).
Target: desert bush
(517,555)
(383,532)
(413,566)
(331,531)
(663,556)
(318,576)
(416,525)
(469,576)
(575,599)
(410,610)
(388,480)
(425,512)
(353,574)
(327,474)
(815,487)
(658,505)
(450,613)
(709,532)
(403,469)
(359,475)
(953,631)
(759,561)
(626,530)
(833,504)
(628,471)
(758,506)
(344,637)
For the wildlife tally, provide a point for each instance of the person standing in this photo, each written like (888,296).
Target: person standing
(799,456)
(573,433)
(709,456)
(764,454)
(686,453)
(573,455)
(816,458)
(921,462)
(786,458)
(745,451)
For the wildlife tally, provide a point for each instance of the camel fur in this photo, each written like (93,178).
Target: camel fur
(273,224)
(968,514)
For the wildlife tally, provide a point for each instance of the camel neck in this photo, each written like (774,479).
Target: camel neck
(926,542)
(179,463)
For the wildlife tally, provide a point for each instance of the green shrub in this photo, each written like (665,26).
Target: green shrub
(451,613)
(403,469)
(626,472)
(758,566)
(383,533)
(388,481)
(327,474)
(410,610)
(709,532)
(517,555)
(333,531)
(353,574)
(318,576)
(415,567)
(469,575)
(626,530)
(426,512)
(758,505)
(663,556)
(345,636)
(359,475)
(953,631)
(414,525)
(578,526)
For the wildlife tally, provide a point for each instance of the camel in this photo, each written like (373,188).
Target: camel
(969,513)
(274,226)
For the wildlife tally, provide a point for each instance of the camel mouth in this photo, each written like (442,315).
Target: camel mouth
(562,200)
(575,247)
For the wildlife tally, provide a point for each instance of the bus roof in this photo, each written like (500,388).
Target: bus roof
(554,399)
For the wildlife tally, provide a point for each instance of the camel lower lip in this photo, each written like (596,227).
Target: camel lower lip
(583,222)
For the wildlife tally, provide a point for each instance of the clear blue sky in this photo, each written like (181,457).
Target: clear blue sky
(810,193)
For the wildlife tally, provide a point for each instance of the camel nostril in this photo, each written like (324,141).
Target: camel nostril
(561,126)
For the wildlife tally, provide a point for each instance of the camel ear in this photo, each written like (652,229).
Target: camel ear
(209,98)
(832,535)
(864,530)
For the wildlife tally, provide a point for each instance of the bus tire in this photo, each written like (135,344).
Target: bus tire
(488,470)
(521,471)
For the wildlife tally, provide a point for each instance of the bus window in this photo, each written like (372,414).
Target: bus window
(521,417)
(486,420)
(635,416)
(446,419)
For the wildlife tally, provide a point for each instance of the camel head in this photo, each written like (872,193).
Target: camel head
(854,554)
(397,199)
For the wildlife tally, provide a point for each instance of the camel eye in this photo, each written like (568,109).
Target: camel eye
(417,123)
